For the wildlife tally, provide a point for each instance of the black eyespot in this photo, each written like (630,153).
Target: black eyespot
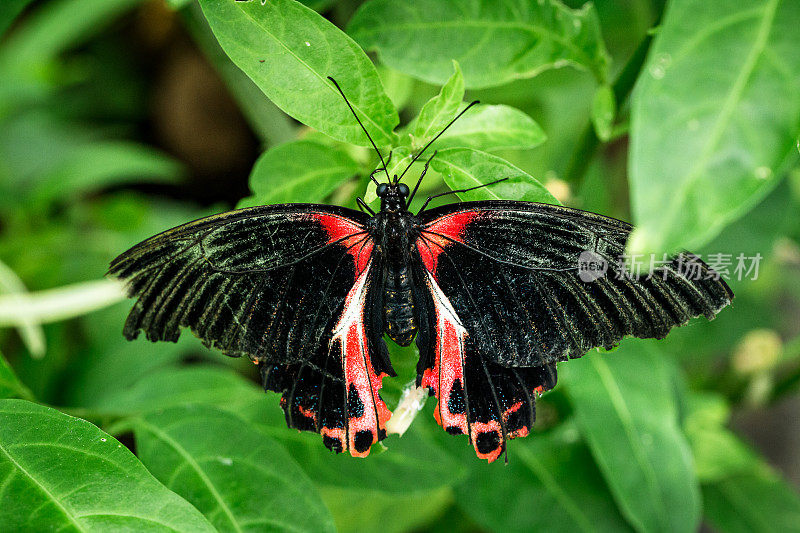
(382,188)
(403,188)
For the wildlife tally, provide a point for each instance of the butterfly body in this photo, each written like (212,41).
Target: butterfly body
(396,230)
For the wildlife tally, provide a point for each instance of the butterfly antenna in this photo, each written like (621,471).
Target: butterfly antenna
(474,102)
(424,170)
(457,192)
(383,163)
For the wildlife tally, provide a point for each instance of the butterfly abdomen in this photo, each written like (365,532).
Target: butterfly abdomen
(399,322)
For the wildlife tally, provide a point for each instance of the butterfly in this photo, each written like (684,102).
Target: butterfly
(491,291)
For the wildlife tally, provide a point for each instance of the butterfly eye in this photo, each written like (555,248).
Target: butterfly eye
(382,188)
(403,188)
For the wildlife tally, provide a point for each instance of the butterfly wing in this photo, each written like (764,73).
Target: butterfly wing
(506,301)
(290,286)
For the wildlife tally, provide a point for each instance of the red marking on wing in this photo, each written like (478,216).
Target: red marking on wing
(349,234)
(351,335)
(334,433)
(448,365)
(437,235)
(308,413)
(479,428)
(521,432)
(447,377)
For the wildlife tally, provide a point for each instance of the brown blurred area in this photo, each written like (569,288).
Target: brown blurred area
(191,114)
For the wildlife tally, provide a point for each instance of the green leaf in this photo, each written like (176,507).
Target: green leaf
(10,385)
(714,119)
(9,10)
(625,406)
(463,168)
(96,165)
(549,483)
(288,50)
(492,127)
(239,478)
(440,109)
(60,473)
(48,159)
(397,85)
(493,43)
(604,110)
(178,386)
(271,124)
(299,171)
(759,501)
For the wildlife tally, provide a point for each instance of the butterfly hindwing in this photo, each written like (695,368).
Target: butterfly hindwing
(504,288)
(476,396)
(292,287)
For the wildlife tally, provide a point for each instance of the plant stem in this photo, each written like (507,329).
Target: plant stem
(622,87)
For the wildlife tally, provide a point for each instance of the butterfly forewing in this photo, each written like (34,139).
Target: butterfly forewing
(507,301)
(287,286)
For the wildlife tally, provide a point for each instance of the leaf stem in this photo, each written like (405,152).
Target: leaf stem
(622,87)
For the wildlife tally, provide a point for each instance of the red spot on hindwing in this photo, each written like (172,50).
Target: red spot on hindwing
(440,233)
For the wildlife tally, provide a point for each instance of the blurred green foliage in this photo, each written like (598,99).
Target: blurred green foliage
(683,118)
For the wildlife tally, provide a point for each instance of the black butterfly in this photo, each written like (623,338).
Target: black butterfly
(491,290)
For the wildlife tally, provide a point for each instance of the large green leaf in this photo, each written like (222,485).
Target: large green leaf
(289,50)
(177,386)
(625,406)
(492,127)
(440,109)
(755,502)
(298,171)
(494,42)
(463,168)
(59,473)
(714,118)
(236,475)
(550,483)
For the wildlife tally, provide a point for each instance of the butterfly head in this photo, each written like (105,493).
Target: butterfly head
(393,195)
